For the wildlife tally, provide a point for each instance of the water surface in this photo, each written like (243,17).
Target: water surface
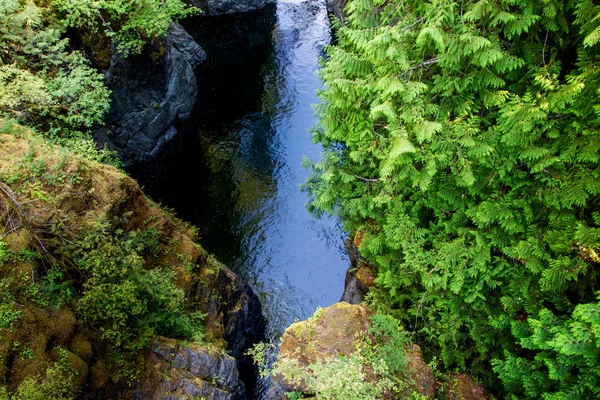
(235,169)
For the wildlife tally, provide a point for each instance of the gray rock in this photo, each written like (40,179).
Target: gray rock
(217,7)
(150,93)
(235,309)
(354,289)
(336,7)
(181,372)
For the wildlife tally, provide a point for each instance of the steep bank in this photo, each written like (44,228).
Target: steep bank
(349,352)
(155,90)
(150,93)
(60,212)
(242,152)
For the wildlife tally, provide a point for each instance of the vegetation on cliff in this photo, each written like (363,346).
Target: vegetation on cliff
(47,83)
(463,149)
(90,272)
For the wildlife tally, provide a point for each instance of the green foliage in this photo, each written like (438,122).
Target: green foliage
(26,354)
(57,384)
(42,82)
(373,371)
(9,311)
(129,23)
(567,353)
(262,356)
(128,302)
(334,378)
(462,141)
(53,291)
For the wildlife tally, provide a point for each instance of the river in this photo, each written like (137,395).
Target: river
(234,170)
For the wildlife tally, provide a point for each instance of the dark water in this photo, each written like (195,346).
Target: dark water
(235,169)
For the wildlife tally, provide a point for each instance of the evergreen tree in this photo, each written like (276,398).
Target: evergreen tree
(462,145)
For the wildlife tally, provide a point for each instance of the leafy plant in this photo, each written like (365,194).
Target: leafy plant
(128,302)
(57,384)
(131,24)
(9,312)
(463,149)
(42,82)
(53,291)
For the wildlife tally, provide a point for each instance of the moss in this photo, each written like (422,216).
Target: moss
(56,197)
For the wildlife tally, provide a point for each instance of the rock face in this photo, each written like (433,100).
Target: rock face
(359,277)
(233,319)
(335,332)
(187,372)
(217,7)
(336,7)
(150,93)
(463,387)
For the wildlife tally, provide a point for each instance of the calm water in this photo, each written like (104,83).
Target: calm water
(235,168)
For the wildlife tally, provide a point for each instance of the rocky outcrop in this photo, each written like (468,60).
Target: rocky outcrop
(463,387)
(360,276)
(336,7)
(336,331)
(74,195)
(150,93)
(182,372)
(217,7)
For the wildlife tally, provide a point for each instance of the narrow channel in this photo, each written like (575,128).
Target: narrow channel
(234,170)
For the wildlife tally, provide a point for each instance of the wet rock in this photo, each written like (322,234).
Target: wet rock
(336,7)
(150,93)
(178,372)
(233,314)
(359,276)
(463,387)
(217,7)
(335,332)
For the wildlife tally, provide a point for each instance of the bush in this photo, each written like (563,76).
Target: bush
(463,148)
(127,299)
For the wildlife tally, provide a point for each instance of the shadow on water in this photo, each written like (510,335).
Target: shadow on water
(234,170)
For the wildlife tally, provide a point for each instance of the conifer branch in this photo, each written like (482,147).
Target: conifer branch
(363,179)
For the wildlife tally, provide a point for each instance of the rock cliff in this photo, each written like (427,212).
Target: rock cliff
(338,332)
(218,7)
(50,198)
(150,93)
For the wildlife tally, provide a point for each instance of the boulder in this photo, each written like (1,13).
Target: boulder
(179,372)
(150,93)
(419,373)
(463,387)
(334,332)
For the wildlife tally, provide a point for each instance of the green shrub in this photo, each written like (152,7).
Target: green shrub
(42,82)
(125,298)
(52,291)
(57,384)
(463,146)
(9,312)
(131,24)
